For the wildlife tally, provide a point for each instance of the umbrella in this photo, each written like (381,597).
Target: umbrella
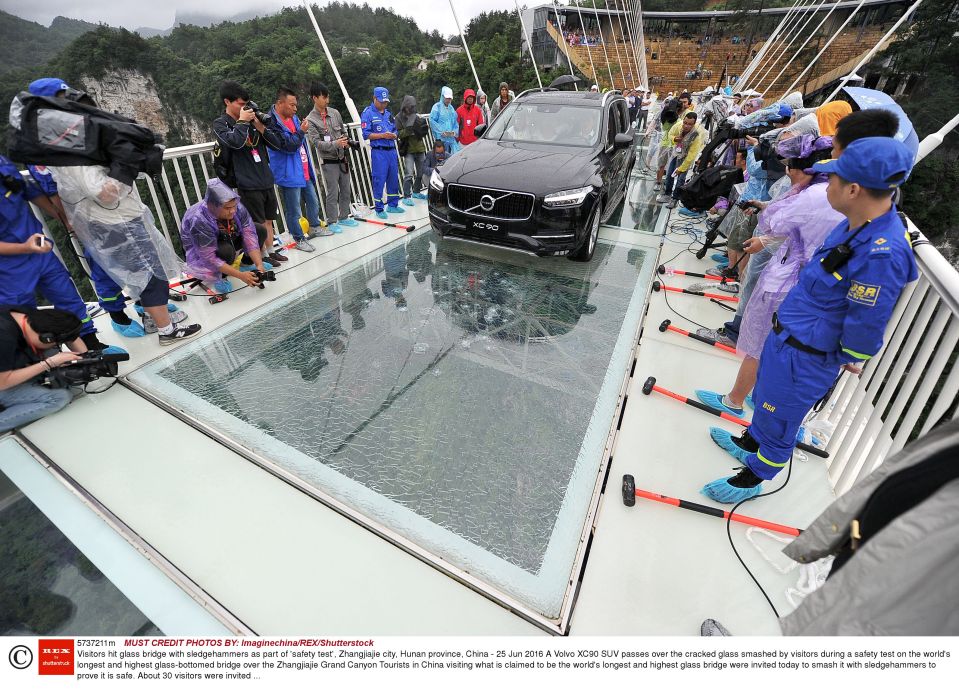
(865,98)
(565,82)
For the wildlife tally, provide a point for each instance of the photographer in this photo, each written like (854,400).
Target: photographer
(328,135)
(25,335)
(215,232)
(241,158)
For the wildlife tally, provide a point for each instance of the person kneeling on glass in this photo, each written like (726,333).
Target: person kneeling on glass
(26,335)
(220,239)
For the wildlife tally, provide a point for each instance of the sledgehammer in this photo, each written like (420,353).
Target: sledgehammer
(667,325)
(651,386)
(659,286)
(630,491)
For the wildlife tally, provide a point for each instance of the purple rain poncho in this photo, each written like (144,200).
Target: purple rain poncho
(803,218)
(199,231)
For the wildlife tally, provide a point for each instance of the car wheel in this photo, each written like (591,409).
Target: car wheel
(584,253)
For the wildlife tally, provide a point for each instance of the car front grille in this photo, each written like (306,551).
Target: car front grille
(508,206)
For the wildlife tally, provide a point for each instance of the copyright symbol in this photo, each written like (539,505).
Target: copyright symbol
(20,657)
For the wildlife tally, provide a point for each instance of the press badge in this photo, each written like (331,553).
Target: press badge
(256,155)
(327,138)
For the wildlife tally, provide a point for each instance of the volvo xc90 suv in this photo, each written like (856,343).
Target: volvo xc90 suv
(542,177)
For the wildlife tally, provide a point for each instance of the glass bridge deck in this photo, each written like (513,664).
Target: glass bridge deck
(455,397)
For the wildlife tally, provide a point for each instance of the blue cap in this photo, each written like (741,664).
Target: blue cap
(381,93)
(47,87)
(874,163)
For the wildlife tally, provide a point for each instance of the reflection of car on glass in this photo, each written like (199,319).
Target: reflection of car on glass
(542,177)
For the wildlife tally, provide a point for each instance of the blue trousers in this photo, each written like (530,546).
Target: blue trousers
(674,179)
(109,293)
(22,276)
(788,385)
(385,174)
(291,208)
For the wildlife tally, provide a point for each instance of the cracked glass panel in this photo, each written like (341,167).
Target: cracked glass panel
(460,396)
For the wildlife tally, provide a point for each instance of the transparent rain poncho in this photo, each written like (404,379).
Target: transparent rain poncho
(117,230)
(802,220)
(200,229)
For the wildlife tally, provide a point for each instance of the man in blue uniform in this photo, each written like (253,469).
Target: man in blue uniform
(27,261)
(834,317)
(380,130)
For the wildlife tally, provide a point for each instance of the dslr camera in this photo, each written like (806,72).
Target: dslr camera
(267,276)
(260,114)
(89,367)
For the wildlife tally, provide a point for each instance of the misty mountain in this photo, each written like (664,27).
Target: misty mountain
(26,44)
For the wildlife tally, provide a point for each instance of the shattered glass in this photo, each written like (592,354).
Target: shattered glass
(458,395)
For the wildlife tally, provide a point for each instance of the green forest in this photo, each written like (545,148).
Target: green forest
(282,49)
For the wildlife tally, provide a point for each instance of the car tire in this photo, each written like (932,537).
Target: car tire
(584,253)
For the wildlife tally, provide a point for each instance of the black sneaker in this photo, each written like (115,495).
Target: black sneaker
(745,479)
(746,441)
(180,332)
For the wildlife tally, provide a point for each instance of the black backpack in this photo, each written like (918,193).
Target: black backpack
(420,127)
(703,189)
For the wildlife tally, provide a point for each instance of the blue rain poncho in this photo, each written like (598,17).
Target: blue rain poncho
(443,120)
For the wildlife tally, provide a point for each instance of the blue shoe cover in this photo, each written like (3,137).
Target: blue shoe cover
(171,307)
(335,228)
(749,401)
(720,258)
(419,195)
(686,212)
(250,268)
(720,491)
(222,286)
(380,214)
(725,440)
(113,349)
(347,222)
(407,202)
(715,400)
(395,210)
(134,329)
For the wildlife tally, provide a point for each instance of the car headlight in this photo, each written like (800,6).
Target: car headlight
(567,198)
(436,182)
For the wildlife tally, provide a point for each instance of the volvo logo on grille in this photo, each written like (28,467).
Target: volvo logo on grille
(487,202)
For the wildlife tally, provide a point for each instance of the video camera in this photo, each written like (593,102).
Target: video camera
(267,276)
(61,131)
(91,366)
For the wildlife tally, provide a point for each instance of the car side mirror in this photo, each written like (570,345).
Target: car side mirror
(622,140)
(479,130)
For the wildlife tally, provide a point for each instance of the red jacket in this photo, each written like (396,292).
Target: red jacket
(469,118)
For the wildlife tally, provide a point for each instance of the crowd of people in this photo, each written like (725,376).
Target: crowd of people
(261,159)
(814,247)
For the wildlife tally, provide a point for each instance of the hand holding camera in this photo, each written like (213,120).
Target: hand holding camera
(62,358)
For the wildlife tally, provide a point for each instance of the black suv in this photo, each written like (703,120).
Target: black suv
(543,176)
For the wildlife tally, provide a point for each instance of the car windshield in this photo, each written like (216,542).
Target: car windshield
(537,122)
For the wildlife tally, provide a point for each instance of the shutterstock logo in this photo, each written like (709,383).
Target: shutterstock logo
(20,657)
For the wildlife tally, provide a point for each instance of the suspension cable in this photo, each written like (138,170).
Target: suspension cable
(466,46)
(823,50)
(559,30)
(810,13)
(799,50)
(872,51)
(529,44)
(631,64)
(612,85)
(764,49)
(582,26)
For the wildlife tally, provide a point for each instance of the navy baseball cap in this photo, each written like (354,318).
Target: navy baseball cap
(47,87)
(381,93)
(874,163)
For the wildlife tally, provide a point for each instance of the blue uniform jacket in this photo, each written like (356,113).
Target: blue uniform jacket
(17,222)
(374,122)
(286,163)
(845,313)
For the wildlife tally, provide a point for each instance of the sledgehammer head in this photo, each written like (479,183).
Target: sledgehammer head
(661,269)
(665,324)
(629,490)
(657,286)
(648,386)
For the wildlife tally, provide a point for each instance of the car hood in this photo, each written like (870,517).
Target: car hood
(522,167)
